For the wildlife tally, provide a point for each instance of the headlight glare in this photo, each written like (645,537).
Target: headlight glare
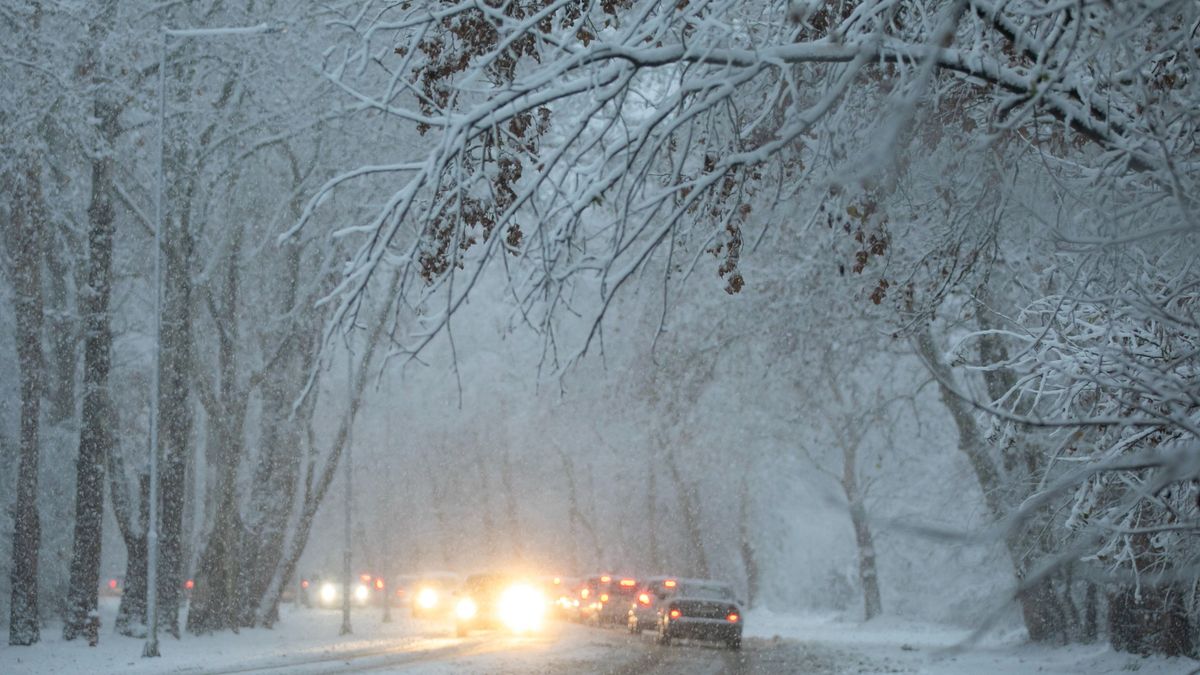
(427,598)
(466,608)
(522,608)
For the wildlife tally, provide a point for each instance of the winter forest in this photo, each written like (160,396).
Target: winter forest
(882,310)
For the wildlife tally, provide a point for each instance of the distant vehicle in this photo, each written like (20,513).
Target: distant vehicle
(643,611)
(489,601)
(614,609)
(403,588)
(326,592)
(563,595)
(700,609)
(433,595)
(113,585)
(604,599)
(593,593)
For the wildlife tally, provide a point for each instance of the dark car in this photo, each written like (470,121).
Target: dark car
(700,609)
(490,601)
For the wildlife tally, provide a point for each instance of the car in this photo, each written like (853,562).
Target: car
(700,609)
(643,611)
(328,591)
(433,595)
(614,604)
(593,592)
(563,595)
(498,600)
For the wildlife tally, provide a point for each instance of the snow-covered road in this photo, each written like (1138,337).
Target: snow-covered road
(306,642)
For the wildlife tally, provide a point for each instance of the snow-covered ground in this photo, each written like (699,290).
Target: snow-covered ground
(307,641)
(913,646)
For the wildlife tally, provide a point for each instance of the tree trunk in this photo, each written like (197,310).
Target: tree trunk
(315,491)
(277,474)
(61,331)
(1150,620)
(24,247)
(688,504)
(868,574)
(746,547)
(95,437)
(175,420)
(215,597)
(131,614)
(1040,605)
(275,480)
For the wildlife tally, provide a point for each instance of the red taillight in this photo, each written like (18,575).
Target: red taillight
(628,583)
(604,597)
(669,583)
(674,613)
(379,584)
(733,617)
(583,593)
(304,583)
(365,578)
(399,591)
(112,583)
(644,598)
(189,584)
(605,579)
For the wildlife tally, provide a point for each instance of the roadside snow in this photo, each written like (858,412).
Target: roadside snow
(933,649)
(303,635)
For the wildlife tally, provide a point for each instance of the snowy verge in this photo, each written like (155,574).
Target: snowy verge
(936,649)
(302,636)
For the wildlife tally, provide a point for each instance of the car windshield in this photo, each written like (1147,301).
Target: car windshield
(490,584)
(706,591)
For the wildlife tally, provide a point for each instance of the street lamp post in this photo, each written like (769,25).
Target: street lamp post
(347,580)
(151,647)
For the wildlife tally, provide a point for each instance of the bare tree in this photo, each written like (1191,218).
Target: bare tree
(25,228)
(95,436)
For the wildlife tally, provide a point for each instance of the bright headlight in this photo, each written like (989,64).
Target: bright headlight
(361,593)
(522,608)
(328,592)
(466,608)
(427,598)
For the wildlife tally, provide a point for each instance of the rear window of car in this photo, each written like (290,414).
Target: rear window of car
(706,591)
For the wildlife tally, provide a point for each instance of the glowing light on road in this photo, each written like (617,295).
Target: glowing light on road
(427,598)
(466,609)
(522,608)
(361,593)
(328,593)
